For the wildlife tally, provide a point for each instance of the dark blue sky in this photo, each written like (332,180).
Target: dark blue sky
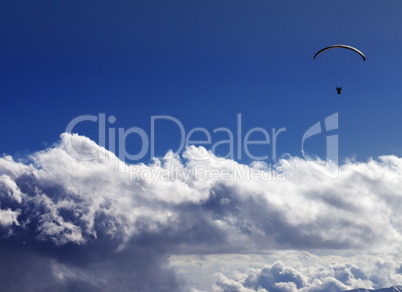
(202,62)
(87,225)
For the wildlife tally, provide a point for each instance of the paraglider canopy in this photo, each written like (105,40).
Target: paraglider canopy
(340,46)
(339,59)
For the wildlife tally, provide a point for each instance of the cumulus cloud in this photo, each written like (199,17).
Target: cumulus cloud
(99,224)
(305,272)
(9,217)
(281,278)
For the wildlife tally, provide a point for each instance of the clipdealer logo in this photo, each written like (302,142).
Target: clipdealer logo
(328,167)
(239,138)
(111,135)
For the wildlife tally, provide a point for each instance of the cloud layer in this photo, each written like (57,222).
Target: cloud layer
(101,225)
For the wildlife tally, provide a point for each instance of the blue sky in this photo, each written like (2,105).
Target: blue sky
(201,62)
(183,223)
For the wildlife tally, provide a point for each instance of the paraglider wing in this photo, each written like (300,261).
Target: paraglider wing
(341,46)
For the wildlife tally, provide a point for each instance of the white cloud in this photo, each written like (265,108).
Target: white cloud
(9,188)
(294,271)
(200,207)
(9,217)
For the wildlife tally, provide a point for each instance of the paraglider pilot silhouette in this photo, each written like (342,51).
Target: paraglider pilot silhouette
(339,71)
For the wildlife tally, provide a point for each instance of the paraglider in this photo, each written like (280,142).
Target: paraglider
(337,65)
